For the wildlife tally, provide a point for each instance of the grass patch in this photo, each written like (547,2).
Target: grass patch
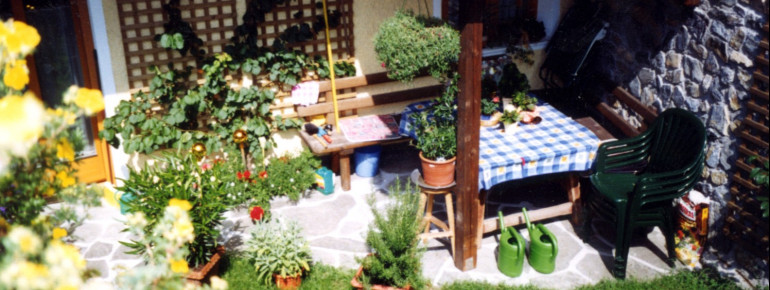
(239,274)
(700,279)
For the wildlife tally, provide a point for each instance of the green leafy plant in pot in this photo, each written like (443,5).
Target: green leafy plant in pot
(393,238)
(409,46)
(176,176)
(279,251)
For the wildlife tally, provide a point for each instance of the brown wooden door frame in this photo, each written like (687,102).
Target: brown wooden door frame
(90,169)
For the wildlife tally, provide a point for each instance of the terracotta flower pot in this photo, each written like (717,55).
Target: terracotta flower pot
(358,285)
(202,273)
(438,173)
(288,282)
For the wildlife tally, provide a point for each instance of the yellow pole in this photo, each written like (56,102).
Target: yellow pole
(331,69)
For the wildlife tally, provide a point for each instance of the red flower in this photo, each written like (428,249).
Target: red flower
(263,174)
(205,166)
(256,213)
(496,99)
(382,64)
(243,175)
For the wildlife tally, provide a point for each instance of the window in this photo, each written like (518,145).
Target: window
(510,22)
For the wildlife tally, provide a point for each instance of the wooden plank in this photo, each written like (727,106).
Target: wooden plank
(592,125)
(468,211)
(755,125)
(757,108)
(748,152)
(762,60)
(632,102)
(758,76)
(764,43)
(378,99)
(617,120)
(492,224)
(743,182)
(753,139)
(755,91)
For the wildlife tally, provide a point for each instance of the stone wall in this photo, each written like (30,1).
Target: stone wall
(699,58)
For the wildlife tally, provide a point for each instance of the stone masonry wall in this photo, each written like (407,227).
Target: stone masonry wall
(701,59)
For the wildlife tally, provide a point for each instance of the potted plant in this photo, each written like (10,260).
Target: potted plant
(176,177)
(437,138)
(279,252)
(393,238)
(490,103)
(510,119)
(409,46)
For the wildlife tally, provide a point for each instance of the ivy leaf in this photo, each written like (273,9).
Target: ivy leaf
(264,108)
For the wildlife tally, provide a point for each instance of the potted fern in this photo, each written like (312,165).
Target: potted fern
(393,239)
(279,253)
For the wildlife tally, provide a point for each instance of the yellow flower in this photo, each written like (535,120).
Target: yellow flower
(66,287)
(19,37)
(111,197)
(68,117)
(27,241)
(59,233)
(89,100)
(64,150)
(180,203)
(179,266)
(21,123)
(66,179)
(16,75)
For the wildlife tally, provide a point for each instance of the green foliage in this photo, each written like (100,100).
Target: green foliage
(524,101)
(489,106)
(239,274)
(393,239)
(278,248)
(512,81)
(409,45)
(179,177)
(172,41)
(510,116)
(179,34)
(46,172)
(700,279)
(437,135)
(759,175)
(291,176)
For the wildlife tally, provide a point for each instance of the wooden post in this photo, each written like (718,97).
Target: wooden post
(468,112)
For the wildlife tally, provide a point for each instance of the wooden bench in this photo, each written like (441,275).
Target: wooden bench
(352,96)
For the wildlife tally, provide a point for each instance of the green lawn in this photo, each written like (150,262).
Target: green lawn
(240,275)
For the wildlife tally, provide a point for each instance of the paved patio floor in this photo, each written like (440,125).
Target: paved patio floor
(336,225)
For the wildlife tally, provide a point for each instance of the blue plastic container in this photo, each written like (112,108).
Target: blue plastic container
(367,160)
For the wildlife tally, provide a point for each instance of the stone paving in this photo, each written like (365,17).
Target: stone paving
(336,224)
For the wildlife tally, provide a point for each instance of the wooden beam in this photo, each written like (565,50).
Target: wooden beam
(468,211)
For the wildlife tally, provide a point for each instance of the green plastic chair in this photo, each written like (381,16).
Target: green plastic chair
(635,180)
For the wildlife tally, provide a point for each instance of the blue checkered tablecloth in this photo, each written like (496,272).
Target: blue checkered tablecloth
(557,144)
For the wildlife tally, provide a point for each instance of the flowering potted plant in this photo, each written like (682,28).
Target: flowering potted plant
(279,253)
(437,138)
(175,177)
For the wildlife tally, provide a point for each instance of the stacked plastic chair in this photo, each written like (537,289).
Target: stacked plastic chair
(636,179)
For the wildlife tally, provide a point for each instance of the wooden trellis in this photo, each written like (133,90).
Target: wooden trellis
(140,20)
(214,21)
(305,11)
(744,223)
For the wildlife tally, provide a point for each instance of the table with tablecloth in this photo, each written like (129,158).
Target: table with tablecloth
(556,144)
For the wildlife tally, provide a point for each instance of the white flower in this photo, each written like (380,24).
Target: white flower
(213,179)
(239,193)
(291,179)
(155,179)
(217,283)
(136,220)
(27,241)
(232,184)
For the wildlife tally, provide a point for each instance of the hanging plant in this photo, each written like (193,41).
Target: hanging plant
(409,45)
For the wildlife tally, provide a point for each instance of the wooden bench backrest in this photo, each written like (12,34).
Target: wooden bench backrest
(349,99)
(648,114)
